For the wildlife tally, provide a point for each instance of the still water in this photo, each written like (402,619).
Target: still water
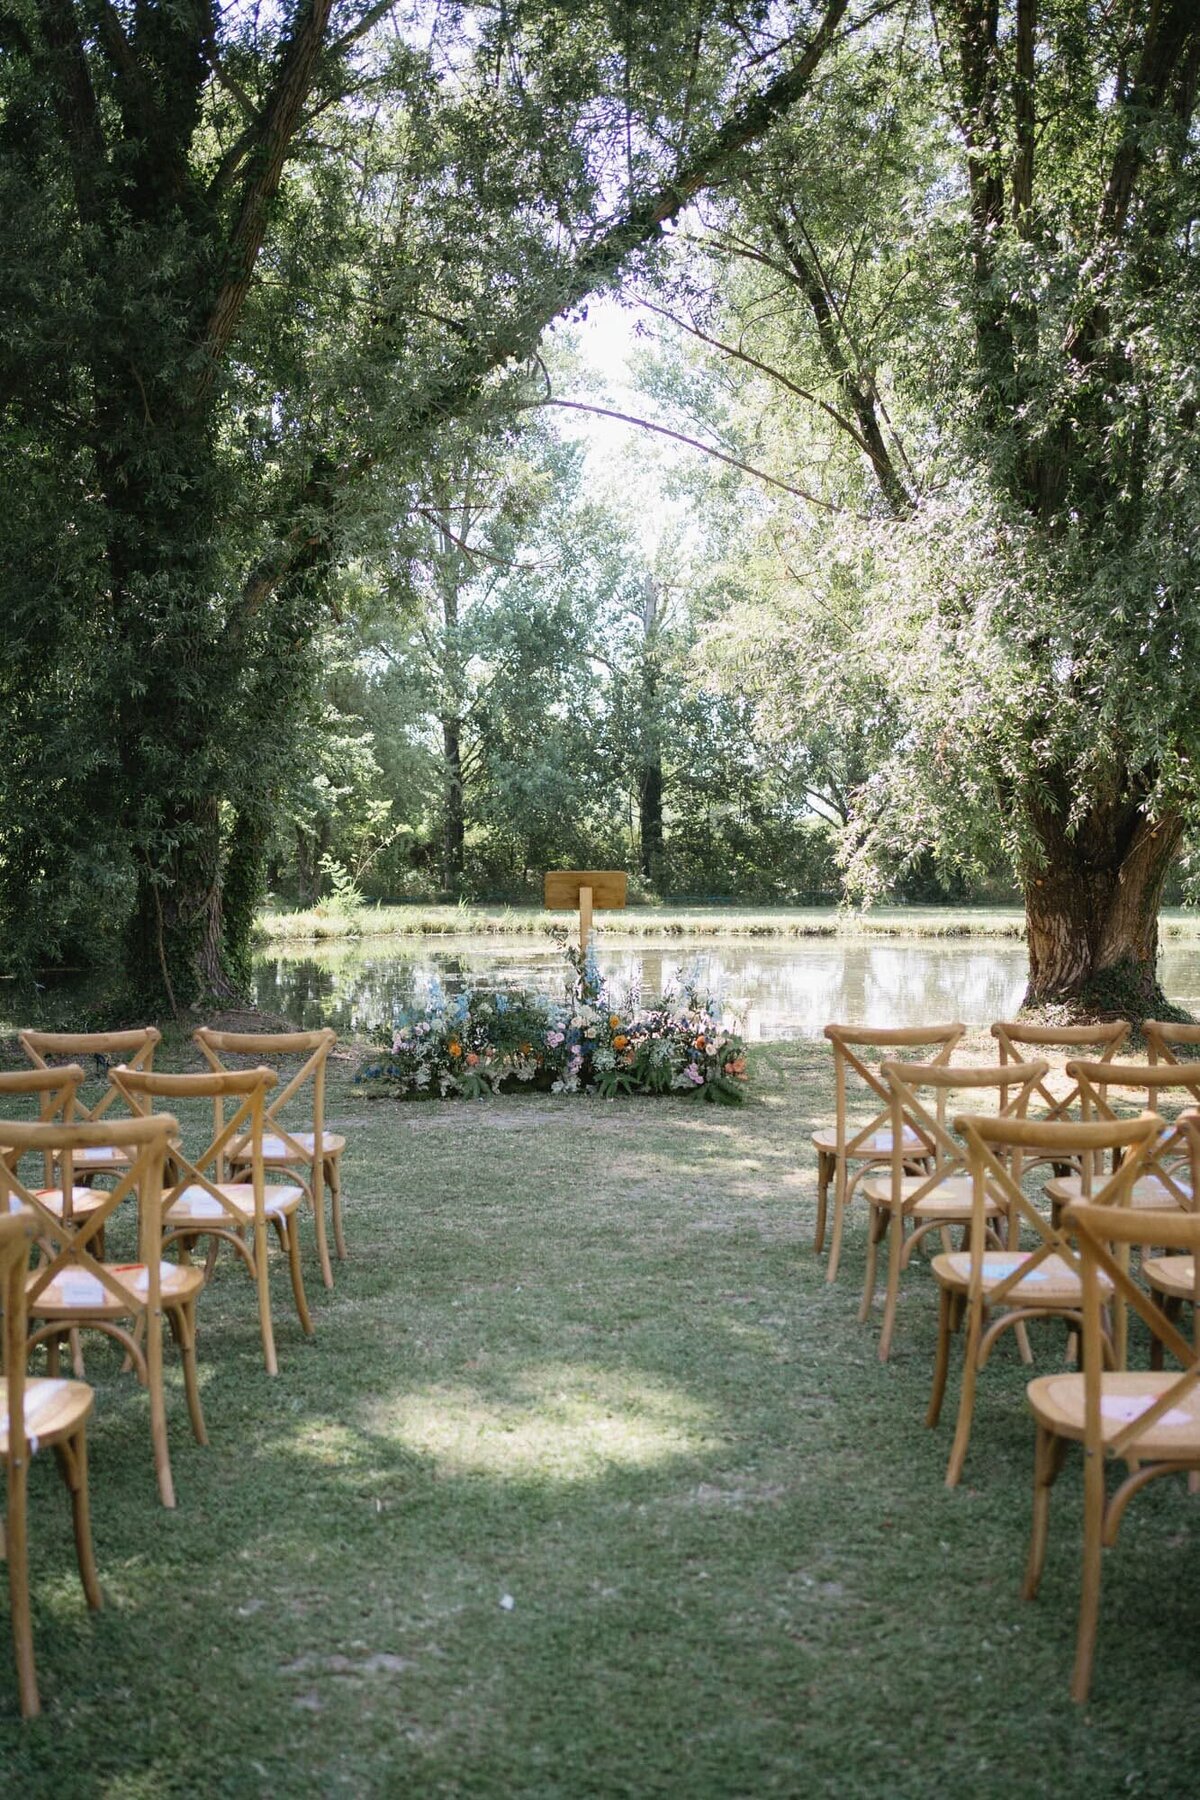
(781,988)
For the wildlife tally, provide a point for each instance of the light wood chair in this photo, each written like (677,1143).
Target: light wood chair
(198,1204)
(55,1091)
(305,1149)
(1164,1037)
(995,1291)
(1166,1179)
(1018,1041)
(72,1288)
(133,1048)
(846,1152)
(907,1208)
(1149,1420)
(34,1415)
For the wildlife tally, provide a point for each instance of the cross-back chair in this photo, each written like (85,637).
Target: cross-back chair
(1164,1037)
(197,1203)
(55,1091)
(132,1048)
(907,1208)
(999,1290)
(1103,1086)
(1020,1041)
(34,1415)
(73,1288)
(844,1151)
(306,1149)
(1147,1419)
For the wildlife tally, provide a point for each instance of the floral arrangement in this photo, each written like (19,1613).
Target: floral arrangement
(472,1044)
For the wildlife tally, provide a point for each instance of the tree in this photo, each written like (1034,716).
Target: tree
(254,262)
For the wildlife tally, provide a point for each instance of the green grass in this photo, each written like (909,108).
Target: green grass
(583,1356)
(669,922)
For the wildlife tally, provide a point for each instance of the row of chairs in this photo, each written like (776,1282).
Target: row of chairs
(1116,1183)
(176,1201)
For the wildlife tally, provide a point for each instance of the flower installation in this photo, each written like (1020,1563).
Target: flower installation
(470,1045)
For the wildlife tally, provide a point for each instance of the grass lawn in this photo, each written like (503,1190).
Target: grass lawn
(589,1485)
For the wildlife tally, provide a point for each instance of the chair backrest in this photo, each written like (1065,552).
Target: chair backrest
(248,1088)
(67,1242)
(1098,1233)
(1013,1086)
(848,1041)
(991,1144)
(1163,1037)
(1147,1084)
(313,1046)
(1017,1040)
(18,1232)
(55,1089)
(135,1048)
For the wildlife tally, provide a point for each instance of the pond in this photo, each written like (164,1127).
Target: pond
(783,988)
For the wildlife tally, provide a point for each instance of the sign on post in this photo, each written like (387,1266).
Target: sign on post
(591,890)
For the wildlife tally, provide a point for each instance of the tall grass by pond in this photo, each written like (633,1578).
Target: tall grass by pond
(317,923)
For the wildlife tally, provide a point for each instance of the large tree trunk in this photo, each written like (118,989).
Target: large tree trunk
(454,829)
(175,946)
(1092,910)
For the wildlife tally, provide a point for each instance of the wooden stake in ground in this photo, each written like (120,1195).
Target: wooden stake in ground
(591,890)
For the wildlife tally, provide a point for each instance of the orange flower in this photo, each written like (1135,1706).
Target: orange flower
(454,1047)
(472,1059)
(699,1043)
(620,1041)
(614,1019)
(525,1049)
(736,1066)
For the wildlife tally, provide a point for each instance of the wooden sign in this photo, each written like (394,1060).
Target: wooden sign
(589,890)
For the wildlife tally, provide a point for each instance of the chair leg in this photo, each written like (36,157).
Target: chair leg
(840,1184)
(158,1413)
(183,1325)
(895,1254)
(1089,1600)
(823,1172)
(77,1366)
(17,1550)
(290,1231)
(942,1358)
(318,1198)
(966,1399)
(262,1282)
(877,1224)
(333,1170)
(1049,1450)
(72,1463)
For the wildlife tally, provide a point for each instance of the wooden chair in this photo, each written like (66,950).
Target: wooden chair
(907,1208)
(72,1288)
(35,1414)
(1163,1037)
(1163,1182)
(842,1148)
(306,1150)
(1018,1041)
(1148,1419)
(199,1204)
(55,1091)
(134,1048)
(1015,1285)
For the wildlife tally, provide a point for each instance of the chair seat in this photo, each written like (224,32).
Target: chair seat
(84,1200)
(74,1292)
(1171,1275)
(1057,1403)
(196,1206)
(53,1409)
(1149,1193)
(276,1151)
(1053,1283)
(950,1200)
(103,1156)
(879,1144)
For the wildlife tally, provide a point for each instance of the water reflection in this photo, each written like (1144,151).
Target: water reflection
(780,989)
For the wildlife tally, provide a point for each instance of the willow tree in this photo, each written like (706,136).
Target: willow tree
(975,337)
(254,258)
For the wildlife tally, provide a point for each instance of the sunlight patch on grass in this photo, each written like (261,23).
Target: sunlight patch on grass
(570,1422)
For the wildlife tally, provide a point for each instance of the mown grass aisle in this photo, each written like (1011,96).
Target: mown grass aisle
(589,1485)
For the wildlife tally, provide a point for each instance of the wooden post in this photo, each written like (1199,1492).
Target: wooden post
(585,919)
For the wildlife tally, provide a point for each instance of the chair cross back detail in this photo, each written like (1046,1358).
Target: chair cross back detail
(848,1040)
(1015,1040)
(56,1089)
(1096,1083)
(1163,1037)
(248,1088)
(133,1048)
(950,1153)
